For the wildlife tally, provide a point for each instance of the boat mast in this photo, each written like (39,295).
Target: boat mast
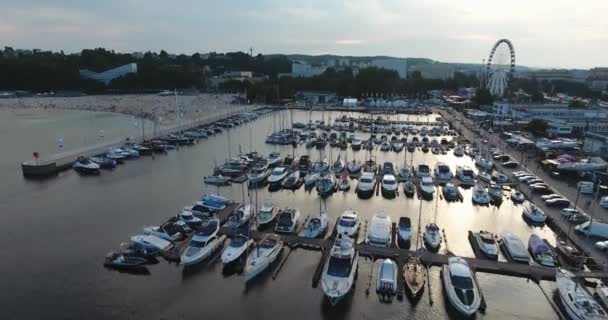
(419,224)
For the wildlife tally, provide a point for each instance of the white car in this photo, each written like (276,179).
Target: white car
(602,245)
(604,202)
(567,212)
(550,196)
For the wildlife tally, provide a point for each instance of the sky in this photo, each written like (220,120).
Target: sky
(545,33)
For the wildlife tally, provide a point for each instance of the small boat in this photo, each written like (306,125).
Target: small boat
(353,167)
(484,163)
(348,223)
(514,247)
(370,166)
(486,242)
(293,181)
(356,144)
(405,172)
(442,172)
(517,196)
(121,261)
(84,165)
(344,183)
(311,180)
(277,176)
(411,147)
(409,188)
(450,192)
(397,145)
(151,242)
(379,231)
(414,274)
(422,171)
(460,287)
(495,192)
(432,237)
(287,220)
(164,232)
(533,213)
(385,146)
(187,216)
(466,175)
(386,280)
(366,185)
(327,185)
(274,159)
(576,301)
(388,168)
(389,186)
(104,162)
(339,272)
(427,187)
(480,195)
(218,180)
(262,256)
(236,248)
(239,217)
(268,212)
(404,234)
(214,201)
(320,167)
(484,176)
(570,253)
(500,178)
(258,174)
(315,226)
(540,252)
(425,148)
(459,151)
(338,166)
(204,242)
(435,150)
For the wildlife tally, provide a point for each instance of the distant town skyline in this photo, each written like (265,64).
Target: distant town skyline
(546,34)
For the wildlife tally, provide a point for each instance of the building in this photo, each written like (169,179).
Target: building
(305,70)
(109,75)
(596,144)
(399,65)
(552,74)
(315,97)
(442,71)
(234,76)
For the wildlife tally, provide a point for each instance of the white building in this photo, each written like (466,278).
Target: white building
(305,70)
(442,71)
(109,75)
(399,65)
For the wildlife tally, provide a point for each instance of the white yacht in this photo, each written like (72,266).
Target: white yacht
(316,225)
(540,252)
(258,174)
(480,195)
(517,196)
(204,242)
(484,163)
(287,220)
(389,186)
(432,237)
(460,287)
(423,171)
(442,172)
(486,242)
(262,256)
(533,213)
(239,217)
(356,144)
(236,248)
(466,175)
(348,223)
(379,230)
(386,279)
(85,166)
(277,175)
(274,159)
(366,185)
(578,303)
(405,172)
(514,247)
(311,180)
(340,269)
(484,176)
(152,242)
(268,212)
(427,187)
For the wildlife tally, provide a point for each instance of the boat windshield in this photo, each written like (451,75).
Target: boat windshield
(339,267)
(208,228)
(366,180)
(462,282)
(196,244)
(237,242)
(347,222)
(285,219)
(389,181)
(278,171)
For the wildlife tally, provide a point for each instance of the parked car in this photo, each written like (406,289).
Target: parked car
(568,212)
(604,202)
(558,202)
(510,164)
(579,218)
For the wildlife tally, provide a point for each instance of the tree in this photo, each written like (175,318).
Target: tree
(537,126)
(483,97)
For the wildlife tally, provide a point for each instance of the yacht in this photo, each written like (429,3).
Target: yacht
(262,256)
(466,175)
(277,176)
(204,242)
(432,237)
(274,159)
(484,163)
(414,274)
(385,146)
(389,186)
(166,231)
(480,195)
(320,166)
(578,303)
(356,144)
(409,188)
(287,220)
(486,242)
(514,247)
(533,213)
(218,180)
(236,248)
(311,180)
(316,225)
(405,173)
(404,234)
(293,181)
(517,196)
(484,176)
(460,287)
(459,151)
(327,185)
(495,192)
(366,185)
(450,192)
(423,171)
(258,174)
(104,162)
(388,168)
(84,165)
(233,167)
(304,164)
(338,166)
(353,167)
(189,218)
(348,223)
(239,217)
(541,253)
(340,269)
(344,183)
(152,243)
(379,231)
(268,212)
(386,279)
(213,202)
(397,145)
(427,187)
(442,172)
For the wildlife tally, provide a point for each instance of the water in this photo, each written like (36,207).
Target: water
(55,233)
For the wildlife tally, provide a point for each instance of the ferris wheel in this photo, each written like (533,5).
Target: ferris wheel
(500,68)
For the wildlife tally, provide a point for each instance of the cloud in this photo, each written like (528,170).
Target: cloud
(349,42)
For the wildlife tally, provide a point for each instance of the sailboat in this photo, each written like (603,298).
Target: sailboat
(414,271)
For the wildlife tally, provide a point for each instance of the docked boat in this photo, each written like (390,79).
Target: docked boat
(484,176)
(370,166)
(353,167)
(465,175)
(315,226)
(379,231)
(274,159)
(442,172)
(304,165)
(480,195)
(495,192)
(268,212)
(121,261)
(385,146)
(258,174)
(262,256)
(409,188)
(338,166)
(427,187)
(578,303)
(386,279)
(389,186)
(459,151)
(237,246)
(432,237)
(514,247)
(450,192)
(486,242)
(422,171)
(204,242)
(366,185)
(239,217)
(187,216)
(540,252)
(293,181)
(348,223)
(311,180)
(233,167)
(484,163)
(218,180)
(104,162)
(277,176)
(164,232)
(460,287)
(397,145)
(339,272)
(533,213)
(414,274)
(404,234)
(356,144)
(327,185)
(152,243)
(84,165)
(405,172)
(500,178)
(214,202)
(344,183)
(388,168)
(287,220)
(517,196)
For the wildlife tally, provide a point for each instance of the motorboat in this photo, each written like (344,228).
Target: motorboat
(262,256)
(405,172)
(84,165)
(274,159)
(576,300)
(151,242)
(356,144)
(104,162)
(189,218)
(404,232)
(339,272)
(540,251)
(320,166)
(386,279)
(534,213)
(514,247)
(484,176)
(425,148)
(233,167)
(214,201)
(517,196)
(116,155)
(304,165)
(268,212)
(122,261)
(486,242)
(379,230)
(409,188)
(500,178)
(432,237)
(411,147)
(164,232)
(366,185)
(327,185)
(465,175)
(258,174)
(442,172)
(397,145)
(427,187)
(385,146)
(311,180)
(277,176)
(316,225)
(459,151)
(480,195)
(388,168)
(422,171)
(287,220)
(389,186)
(460,287)
(484,163)
(450,192)
(348,223)
(370,166)
(353,167)
(237,246)
(204,242)
(414,274)
(344,183)
(495,192)
(218,180)
(293,181)
(239,217)
(570,253)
